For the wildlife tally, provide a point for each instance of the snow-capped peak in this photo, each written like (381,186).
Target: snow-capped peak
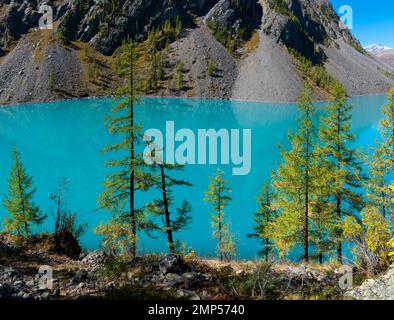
(377,48)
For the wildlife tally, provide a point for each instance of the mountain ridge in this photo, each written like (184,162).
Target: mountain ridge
(382,53)
(259,49)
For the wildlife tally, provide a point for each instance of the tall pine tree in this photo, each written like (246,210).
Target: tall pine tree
(294,182)
(218,195)
(22,212)
(129,174)
(341,160)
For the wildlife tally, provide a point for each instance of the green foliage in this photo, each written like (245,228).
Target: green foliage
(381,162)
(316,75)
(218,195)
(282,7)
(391,242)
(161,207)
(129,174)
(228,247)
(300,188)
(211,67)
(116,234)
(51,82)
(341,160)
(262,219)
(61,34)
(93,70)
(371,238)
(22,212)
(179,75)
(115,266)
(226,37)
(178,26)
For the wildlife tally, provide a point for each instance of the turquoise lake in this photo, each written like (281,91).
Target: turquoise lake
(64,139)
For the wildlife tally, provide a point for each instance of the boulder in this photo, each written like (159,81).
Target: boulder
(171,263)
(96,259)
(67,244)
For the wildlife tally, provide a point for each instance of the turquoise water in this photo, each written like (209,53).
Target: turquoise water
(64,139)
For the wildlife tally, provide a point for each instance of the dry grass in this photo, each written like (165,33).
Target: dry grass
(253,43)
(3,8)
(41,40)
(98,71)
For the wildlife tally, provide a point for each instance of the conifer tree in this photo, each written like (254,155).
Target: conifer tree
(262,218)
(22,212)
(161,207)
(129,174)
(381,163)
(228,243)
(178,26)
(116,234)
(341,161)
(295,183)
(218,195)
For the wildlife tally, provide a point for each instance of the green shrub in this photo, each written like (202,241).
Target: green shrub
(115,267)
(211,67)
(52,82)
(281,7)
(317,75)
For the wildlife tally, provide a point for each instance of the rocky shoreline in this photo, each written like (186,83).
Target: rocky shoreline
(97,275)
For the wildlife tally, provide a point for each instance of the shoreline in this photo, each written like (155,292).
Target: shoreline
(181,98)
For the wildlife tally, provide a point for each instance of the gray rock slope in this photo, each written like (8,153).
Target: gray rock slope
(31,73)
(195,50)
(381,288)
(268,73)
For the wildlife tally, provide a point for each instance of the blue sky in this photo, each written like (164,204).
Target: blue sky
(373,21)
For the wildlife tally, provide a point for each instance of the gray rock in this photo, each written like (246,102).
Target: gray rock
(381,288)
(171,263)
(172,279)
(190,279)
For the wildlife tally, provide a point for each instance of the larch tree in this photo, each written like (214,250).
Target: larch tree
(294,183)
(381,163)
(22,212)
(341,160)
(262,219)
(128,172)
(218,195)
(162,207)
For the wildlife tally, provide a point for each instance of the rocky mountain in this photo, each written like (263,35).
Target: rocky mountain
(241,49)
(383,53)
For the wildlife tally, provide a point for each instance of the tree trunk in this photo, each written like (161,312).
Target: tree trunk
(132,164)
(167,211)
(266,249)
(339,232)
(306,214)
(27,229)
(339,199)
